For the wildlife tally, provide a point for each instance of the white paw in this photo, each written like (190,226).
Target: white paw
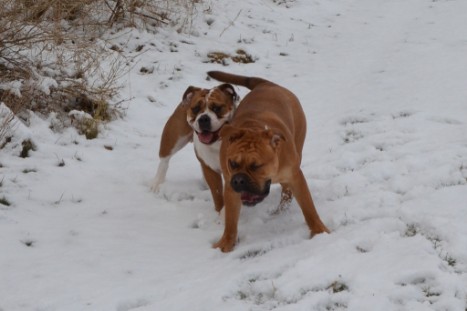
(160,175)
(155,184)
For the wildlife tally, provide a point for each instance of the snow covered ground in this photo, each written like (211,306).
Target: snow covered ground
(383,84)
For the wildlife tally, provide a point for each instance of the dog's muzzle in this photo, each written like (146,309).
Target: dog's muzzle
(249,192)
(206,136)
(204,123)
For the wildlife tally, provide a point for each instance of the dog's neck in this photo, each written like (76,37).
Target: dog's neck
(256,124)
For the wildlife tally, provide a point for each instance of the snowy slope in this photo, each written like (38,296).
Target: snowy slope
(383,85)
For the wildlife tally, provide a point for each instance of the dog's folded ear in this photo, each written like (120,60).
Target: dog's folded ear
(275,137)
(189,94)
(230,133)
(229,90)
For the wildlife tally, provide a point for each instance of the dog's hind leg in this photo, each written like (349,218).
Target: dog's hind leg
(286,200)
(176,134)
(164,160)
(161,173)
(303,196)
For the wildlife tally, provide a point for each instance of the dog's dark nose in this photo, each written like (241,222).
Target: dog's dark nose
(204,123)
(239,182)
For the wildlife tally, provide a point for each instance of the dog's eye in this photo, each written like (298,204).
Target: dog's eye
(216,109)
(233,165)
(196,109)
(254,167)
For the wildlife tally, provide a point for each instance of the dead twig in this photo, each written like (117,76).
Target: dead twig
(231,23)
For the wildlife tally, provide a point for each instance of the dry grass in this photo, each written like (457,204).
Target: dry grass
(52,53)
(223,58)
(7,117)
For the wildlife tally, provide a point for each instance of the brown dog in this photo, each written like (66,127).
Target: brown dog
(263,145)
(198,118)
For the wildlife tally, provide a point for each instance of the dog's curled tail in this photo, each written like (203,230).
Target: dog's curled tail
(248,82)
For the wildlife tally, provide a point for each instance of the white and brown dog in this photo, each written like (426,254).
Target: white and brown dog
(198,118)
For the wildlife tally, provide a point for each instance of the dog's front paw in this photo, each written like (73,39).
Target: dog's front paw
(225,244)
(319,229)
(219,208)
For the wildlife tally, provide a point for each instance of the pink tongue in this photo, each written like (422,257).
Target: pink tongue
(249,197)
(205,137)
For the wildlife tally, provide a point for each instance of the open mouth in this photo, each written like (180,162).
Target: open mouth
(208,137)
(251,199)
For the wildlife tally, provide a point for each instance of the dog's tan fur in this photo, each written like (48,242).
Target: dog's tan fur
(262,145)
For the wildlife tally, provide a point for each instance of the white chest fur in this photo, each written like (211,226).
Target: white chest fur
(208,153)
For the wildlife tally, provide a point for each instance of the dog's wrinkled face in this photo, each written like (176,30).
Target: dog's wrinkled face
(252,161)
(209,110)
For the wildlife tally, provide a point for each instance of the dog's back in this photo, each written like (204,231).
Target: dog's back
(269,103)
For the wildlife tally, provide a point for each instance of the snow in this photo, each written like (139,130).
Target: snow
(383,86)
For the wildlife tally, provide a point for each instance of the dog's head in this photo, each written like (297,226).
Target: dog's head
(252,161)
(208,110)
